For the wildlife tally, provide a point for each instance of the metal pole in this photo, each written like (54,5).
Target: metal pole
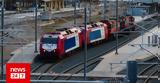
(132,7)
(159,69)
(75,1)
(104,10)
(85,46)
(158,21)
(2,27)
(142,37)
(36,10)
(90,9)
(116,27)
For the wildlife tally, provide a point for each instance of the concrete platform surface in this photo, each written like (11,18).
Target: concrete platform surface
(66,10)
(24,54)
(130,51)
(140,18)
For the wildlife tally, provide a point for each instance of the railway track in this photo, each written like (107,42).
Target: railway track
(153,73)
(147,70)
(150,70)
(37,66)
(42,68)
(78,67)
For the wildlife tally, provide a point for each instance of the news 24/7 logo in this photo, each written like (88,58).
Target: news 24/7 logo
(18,73)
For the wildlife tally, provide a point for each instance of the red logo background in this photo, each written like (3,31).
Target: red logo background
(17,73)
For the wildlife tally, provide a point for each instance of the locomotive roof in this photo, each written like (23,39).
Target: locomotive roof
(62,34)
(70,31)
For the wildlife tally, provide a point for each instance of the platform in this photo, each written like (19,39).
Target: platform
(140,18)
(130,51)
(24,54)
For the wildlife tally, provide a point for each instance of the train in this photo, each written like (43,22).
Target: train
(57,44)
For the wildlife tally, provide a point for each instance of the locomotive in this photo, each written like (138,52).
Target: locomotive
(59,43)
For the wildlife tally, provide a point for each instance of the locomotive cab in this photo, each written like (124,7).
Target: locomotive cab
(48,44)
(132,20)
(60,43)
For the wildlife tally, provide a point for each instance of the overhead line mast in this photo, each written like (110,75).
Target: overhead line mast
(2,33)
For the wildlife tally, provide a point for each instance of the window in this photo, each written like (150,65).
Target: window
(49,40)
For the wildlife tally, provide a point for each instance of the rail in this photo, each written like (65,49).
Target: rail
(90,75)
(148,78)
(60,81)
(92,58)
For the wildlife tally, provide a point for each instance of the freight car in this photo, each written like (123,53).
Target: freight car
(59,43)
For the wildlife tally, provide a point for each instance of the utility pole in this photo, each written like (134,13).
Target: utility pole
(104,9)
(158,17)
(132,7)
(2,33)
(75,8)
(116,27)
(85,44)
(36,10)
(90,9)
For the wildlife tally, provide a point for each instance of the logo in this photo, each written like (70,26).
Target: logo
(18,73)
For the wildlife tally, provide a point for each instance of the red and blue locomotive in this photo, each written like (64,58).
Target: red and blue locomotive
(59,43)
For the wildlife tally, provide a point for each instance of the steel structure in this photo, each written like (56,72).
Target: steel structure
(104,10)
(116,27)
(2,32)
(85,46)
(75,13)
(36,19)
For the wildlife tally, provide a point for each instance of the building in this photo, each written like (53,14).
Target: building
(46,4)
(53,4)
(25,4)
(14,4)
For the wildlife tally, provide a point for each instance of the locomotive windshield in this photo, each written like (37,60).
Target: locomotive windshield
(49,40)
